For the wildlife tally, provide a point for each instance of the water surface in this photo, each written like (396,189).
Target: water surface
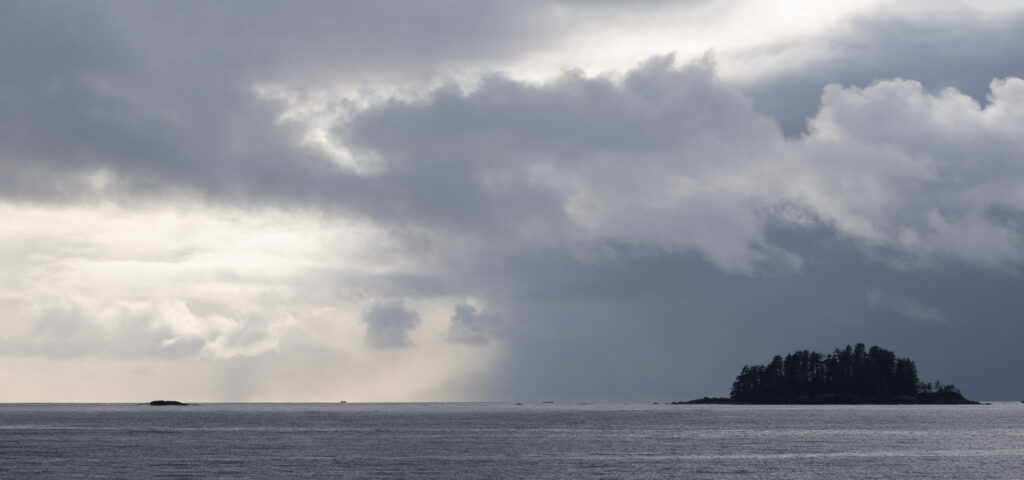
(497,440)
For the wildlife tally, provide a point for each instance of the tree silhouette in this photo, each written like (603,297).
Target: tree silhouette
(854,374)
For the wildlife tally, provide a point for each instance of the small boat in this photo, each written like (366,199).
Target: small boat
(342,401)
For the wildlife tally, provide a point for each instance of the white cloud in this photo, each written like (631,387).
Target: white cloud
(184,281)
(221,293)
(898,167)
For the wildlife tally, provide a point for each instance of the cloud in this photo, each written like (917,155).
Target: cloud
(246,185)
(470,327)
(929,176)
(676,160)
(667,158)
(136,99)
(103,281)
(388,324)
(881,300)
(81,328)
(661,159)
(580,198)
(963,48)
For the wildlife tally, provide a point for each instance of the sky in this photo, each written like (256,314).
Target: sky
(503,200)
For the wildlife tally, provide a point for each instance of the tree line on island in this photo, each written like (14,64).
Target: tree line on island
(853,374)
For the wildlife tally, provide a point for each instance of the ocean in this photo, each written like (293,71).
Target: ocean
(507,440)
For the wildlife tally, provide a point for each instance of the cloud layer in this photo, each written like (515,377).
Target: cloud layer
(405,202)
(676,160)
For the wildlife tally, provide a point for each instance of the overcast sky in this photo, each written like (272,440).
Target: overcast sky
(504,200)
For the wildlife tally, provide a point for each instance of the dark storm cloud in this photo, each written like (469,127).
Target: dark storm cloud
(472,327)
(881,300)
(388,324)
(499,158)
(158,96)
(667,327)
(658,111)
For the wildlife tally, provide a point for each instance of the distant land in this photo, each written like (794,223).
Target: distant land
(167,403)
(852,375)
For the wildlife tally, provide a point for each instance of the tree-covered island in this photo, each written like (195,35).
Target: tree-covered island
(853,375)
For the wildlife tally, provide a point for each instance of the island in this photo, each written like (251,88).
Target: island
(166,403)
(851,375)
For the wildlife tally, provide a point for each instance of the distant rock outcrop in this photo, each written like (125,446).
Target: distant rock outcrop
(166,403)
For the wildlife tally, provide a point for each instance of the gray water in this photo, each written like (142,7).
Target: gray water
(490,441)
